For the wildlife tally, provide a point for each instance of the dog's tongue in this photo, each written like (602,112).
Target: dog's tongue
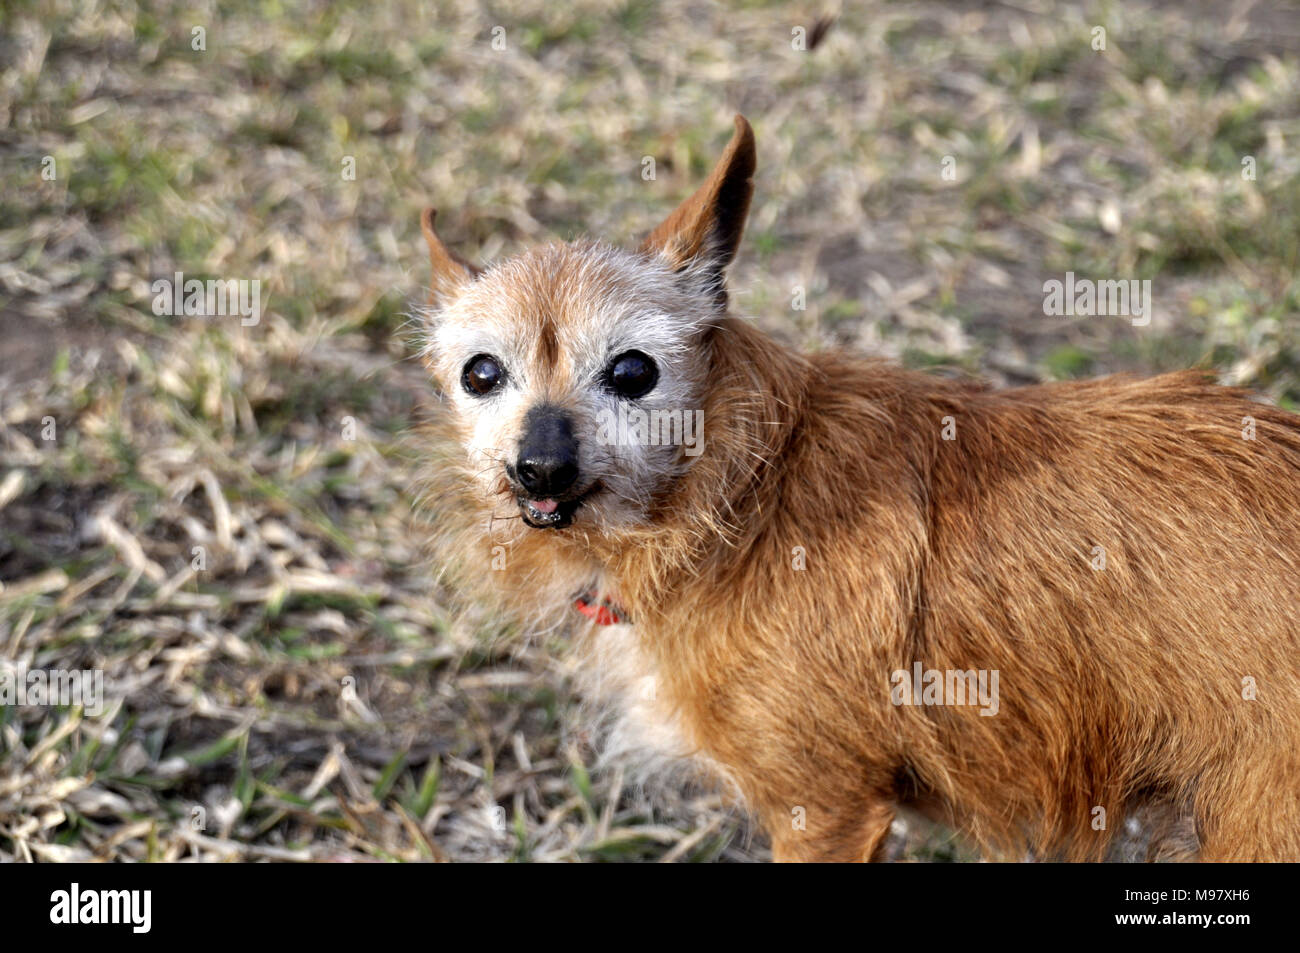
(544,506)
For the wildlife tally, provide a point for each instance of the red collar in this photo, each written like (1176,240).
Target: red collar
(600,611)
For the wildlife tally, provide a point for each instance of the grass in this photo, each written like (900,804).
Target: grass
(206,528)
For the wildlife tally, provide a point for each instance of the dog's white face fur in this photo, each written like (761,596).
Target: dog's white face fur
(553,320)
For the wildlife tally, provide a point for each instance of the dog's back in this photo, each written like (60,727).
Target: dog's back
(1127,553)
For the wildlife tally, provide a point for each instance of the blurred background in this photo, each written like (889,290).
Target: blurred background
(215,514)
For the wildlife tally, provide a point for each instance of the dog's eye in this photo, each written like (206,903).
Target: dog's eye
(482,375)
(632,374)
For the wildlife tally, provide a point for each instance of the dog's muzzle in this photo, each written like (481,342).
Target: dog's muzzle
(546,473)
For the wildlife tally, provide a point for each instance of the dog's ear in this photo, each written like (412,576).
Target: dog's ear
(705,230)
(450,271)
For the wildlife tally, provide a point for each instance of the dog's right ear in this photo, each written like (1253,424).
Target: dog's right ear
(450,272)
(705,230)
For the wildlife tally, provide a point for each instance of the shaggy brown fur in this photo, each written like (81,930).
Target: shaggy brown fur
(830,536)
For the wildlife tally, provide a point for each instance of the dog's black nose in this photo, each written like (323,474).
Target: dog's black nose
(548,454)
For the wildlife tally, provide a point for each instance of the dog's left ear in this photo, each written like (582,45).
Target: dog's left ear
(450,271)
(705,230)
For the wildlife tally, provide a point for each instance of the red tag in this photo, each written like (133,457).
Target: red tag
(602,613)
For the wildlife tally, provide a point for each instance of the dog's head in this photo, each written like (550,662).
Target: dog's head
(576,371)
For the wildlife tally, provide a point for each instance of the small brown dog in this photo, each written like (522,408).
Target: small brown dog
(846,588)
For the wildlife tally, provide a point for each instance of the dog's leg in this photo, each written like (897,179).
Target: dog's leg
(827,837)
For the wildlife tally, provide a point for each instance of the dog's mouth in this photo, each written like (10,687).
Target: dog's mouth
(554,513)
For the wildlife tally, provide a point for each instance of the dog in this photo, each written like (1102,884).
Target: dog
(1031,614)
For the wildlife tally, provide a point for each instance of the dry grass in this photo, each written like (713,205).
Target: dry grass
(225,683)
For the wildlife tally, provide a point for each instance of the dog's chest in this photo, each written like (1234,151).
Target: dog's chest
(627,697)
